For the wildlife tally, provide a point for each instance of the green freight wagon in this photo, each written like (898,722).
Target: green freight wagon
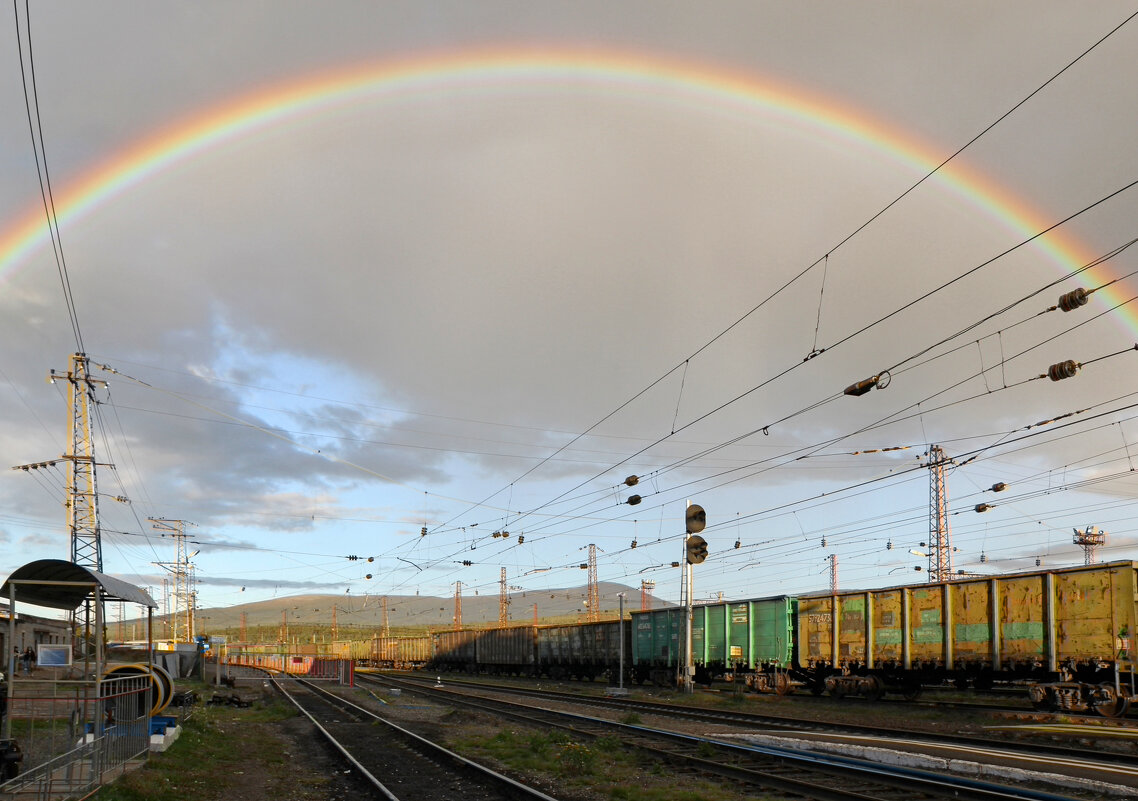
(751,641)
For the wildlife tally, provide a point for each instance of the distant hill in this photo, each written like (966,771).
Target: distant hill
(412,611)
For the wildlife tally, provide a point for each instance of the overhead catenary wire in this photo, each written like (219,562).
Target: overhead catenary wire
(823,259)
(39,151)
(780,374)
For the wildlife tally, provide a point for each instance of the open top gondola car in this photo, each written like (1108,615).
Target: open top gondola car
(750,641)
(1065,632)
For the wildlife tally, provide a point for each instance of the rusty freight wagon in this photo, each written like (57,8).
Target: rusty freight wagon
(583,651)
(400,653)
(507,651)
(751,641)
(454,650)
(1066,632)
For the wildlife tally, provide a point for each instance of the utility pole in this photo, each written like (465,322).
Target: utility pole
(1090,539)
(940,542)
(833,574)
(333,622)
(594,590)
(244,627)
(182,570)
(503,601)
(386,623)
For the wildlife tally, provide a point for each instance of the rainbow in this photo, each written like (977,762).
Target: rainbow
(644,76)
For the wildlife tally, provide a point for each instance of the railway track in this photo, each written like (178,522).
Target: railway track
(413,768)
(752,721)
(792,772)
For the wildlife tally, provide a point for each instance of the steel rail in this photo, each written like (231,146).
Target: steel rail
(515,788)
(908,779)
(753,719)
(376,783)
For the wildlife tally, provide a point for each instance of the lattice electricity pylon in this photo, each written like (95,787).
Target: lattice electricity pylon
(182,571)
(594,591)
(457,605)
(503,602)
(82,487)
(940,541)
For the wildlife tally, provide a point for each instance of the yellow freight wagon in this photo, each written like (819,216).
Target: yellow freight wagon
(1066,630)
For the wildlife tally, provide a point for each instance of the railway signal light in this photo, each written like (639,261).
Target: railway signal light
(696,549)
(696,519)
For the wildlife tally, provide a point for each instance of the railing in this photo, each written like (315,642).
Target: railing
(74,742)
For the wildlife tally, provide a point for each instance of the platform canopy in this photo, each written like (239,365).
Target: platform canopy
(59,584)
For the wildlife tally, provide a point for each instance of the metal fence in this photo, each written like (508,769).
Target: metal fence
(77,736)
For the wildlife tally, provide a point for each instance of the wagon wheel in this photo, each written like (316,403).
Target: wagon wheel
(1041,699)
(874,688)
(782,685)
(911,691)
(1110,704)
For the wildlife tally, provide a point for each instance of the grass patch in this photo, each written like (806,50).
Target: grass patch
(602,768)
(221,750)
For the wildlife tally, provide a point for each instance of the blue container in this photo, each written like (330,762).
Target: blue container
(159,724)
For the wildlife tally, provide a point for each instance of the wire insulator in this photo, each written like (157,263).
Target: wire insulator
(1061,370)
(1073,299)
(982,507)
(861,387)
(633,500)
(632,481)
(999,487)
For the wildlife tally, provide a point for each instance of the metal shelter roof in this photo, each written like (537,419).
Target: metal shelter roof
(59,584)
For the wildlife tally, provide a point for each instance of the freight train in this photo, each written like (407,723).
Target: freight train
(1062,633)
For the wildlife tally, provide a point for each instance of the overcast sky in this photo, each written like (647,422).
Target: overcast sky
(489,279)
